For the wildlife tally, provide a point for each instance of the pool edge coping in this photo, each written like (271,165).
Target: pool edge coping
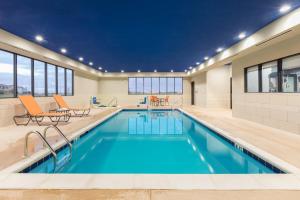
(9,179)
(268,157)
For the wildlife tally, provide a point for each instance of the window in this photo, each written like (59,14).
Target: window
(39,78)
(131,85)
(252,79)
(61,81)
(147,85)
(23,75)
(178,86)
(155,86)
(69,82)
(20,75)
(171,85)
(291,74)
(282,75)
(139,85)
(51,80)
(269,77)
(162,85)
(6,74)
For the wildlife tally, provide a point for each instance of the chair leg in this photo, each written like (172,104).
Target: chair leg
(22,117)
(37,121)
(56,121)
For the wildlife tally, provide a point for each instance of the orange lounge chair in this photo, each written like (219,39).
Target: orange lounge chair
(35,113)
(78,112)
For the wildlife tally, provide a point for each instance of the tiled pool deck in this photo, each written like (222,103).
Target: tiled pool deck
(280,145)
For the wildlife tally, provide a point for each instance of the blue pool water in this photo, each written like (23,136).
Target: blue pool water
(166,142)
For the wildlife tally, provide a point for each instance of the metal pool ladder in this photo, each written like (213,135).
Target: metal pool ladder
(46,143)
(60,133)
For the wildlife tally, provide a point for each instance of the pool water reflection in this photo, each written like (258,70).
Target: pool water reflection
(166,142)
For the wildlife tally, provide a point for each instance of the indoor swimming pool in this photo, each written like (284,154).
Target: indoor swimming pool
(153,142)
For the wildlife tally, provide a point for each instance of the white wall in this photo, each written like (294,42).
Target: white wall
(200,90)
(218,87)
(212,88)
(278,110)
(118,87)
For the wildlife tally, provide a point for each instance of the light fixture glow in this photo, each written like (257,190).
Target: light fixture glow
(63,50)
(219,49)
(39,38)
(197,63)
(172,70)
(105,71)
(91,63)
(122,71)
(185,70)
(206,58)
(285,8)
(138,71)
(155,70)
(242,35)
(80,59)
(190,67)
(100,68)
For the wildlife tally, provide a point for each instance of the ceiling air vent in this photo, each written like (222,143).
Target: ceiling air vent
(274,37)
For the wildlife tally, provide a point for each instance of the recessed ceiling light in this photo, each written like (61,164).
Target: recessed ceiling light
(190,67)
(105,71)
(219,49)
(138,71)
(39,38)
(80,59)
(242,35)
(206,58)
(197,63)
(155,70)
(285,8)
(122,71)
(172,70)
(63,50)
(185,70)
(91,63)
(100,68)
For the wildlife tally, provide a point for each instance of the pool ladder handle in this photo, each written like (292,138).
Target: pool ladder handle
(45,143)
(61,134)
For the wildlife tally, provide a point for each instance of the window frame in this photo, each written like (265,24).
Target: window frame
(31,74)
(15,74)
(45,78)
(279,76)
(151,91)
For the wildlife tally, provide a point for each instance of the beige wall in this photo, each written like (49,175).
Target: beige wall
(84,87)
(277,110)
(218,87)
(118,87)
(200,90)
(212,88)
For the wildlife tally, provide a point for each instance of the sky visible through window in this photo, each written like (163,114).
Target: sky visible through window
(155,85)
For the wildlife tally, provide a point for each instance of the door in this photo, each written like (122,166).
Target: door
(193,93)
